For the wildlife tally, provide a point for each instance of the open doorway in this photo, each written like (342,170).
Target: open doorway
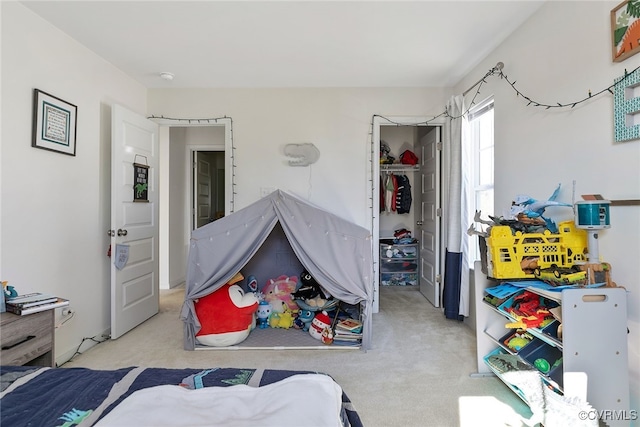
(180,141)
(207,201)
(419,262)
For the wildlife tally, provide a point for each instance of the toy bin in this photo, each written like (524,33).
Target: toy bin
(534,345)
(543,303)
(551,330)
(514,255)
(496,295)
(498,370)
(525,340)
(548,360)
(399,279)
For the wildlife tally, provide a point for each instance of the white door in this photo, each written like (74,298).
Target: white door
(202,189)
(134,287)
(428,223)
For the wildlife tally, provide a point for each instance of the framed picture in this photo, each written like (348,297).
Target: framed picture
(625,30)
(54,123)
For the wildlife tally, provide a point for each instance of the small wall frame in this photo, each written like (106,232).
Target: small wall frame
(54,123)
(140,182)
(625,30)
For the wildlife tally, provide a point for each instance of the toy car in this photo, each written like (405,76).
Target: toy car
(558,276)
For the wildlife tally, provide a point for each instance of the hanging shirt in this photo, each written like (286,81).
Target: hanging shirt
(403,196)
(390,194)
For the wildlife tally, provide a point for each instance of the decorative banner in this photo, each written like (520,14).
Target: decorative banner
(626,107)
(122,256)
(141,182)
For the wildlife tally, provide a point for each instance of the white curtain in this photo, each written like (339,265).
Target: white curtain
(458,164)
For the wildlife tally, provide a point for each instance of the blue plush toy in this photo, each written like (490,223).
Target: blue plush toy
(264,311)
(304,319)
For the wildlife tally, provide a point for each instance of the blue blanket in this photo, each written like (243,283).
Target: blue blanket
(64,397)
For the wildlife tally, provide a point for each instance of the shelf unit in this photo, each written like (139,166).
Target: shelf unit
(399,263)
(593,348)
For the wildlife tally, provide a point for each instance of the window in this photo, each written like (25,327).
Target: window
(481,136)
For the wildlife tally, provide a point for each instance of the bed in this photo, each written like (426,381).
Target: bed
(38,396)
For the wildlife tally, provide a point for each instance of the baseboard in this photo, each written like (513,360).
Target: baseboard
(176,282)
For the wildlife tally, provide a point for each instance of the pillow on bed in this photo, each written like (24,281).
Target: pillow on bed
(306,399)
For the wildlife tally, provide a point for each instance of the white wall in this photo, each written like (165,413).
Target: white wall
(178,203)
(337,121)
(55,208)
(558,56)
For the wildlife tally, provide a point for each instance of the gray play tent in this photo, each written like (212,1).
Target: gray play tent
(336,252)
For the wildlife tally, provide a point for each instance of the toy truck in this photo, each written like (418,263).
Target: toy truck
(516,255)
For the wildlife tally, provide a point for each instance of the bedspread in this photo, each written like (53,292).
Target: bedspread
(33,396)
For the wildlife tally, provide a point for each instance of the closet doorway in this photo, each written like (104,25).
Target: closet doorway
(424,137)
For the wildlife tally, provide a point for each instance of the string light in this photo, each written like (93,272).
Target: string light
(530,102)
(232,156)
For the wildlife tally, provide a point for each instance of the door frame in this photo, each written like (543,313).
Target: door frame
(377,123)
(164,136)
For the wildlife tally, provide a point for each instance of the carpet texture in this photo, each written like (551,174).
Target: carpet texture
(416,374)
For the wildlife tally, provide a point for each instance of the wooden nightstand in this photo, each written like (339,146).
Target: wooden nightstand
(28,339)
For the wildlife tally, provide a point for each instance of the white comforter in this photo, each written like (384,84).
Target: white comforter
(312,400)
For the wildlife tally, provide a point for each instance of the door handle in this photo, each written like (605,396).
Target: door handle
(418,222)
(122,232)
(111,233)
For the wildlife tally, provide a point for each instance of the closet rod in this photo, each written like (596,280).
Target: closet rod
(499,66)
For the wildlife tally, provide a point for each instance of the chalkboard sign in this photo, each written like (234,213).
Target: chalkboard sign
(141,182)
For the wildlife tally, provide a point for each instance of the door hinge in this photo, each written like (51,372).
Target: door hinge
(439,146)
(438,278)
(438,212)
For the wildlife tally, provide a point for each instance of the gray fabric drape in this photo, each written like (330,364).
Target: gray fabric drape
(336,252)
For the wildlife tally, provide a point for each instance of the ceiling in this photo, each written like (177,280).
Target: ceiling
(249,44)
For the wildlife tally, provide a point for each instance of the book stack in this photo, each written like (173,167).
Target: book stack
(348,331)
(34,303)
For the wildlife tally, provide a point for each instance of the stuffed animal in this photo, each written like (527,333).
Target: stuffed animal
(264,311)
(308,288)
(327,336)
(281,320)
(252,284)
(303,320)
(226,316)
(278,292)
(318,324)
(317,301)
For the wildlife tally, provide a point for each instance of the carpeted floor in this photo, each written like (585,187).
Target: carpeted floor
(416,374)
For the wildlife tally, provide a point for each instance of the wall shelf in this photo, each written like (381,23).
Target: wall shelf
(399,168)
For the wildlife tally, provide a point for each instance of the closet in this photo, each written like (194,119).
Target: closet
(407,262)
(399,246)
